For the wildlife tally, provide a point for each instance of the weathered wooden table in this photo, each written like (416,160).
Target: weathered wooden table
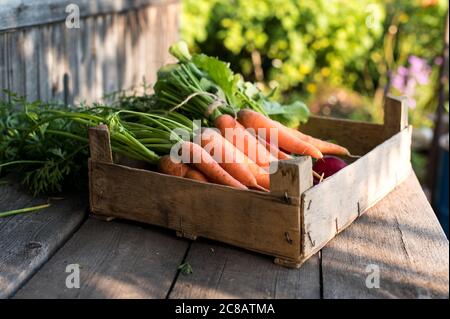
(399,239)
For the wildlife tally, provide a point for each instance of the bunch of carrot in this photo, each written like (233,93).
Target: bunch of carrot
(247,140)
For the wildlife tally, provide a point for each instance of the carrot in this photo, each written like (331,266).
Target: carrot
(167,166)
(286,140)
(243,140)
(201,159)
(229,158)
(261,175)
(323,146)
(196,175)
(275,150)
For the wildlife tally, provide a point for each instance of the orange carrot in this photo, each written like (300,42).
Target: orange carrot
(275,150)
(229,158)
(323,146)
(286,140)
(243,140)
(167,166)
(261,175)
(196,175)
(201,159)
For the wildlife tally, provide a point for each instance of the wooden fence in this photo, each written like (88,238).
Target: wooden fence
(118,44)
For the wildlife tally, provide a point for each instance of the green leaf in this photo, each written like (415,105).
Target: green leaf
(220,73)
(185,269)
(291,115)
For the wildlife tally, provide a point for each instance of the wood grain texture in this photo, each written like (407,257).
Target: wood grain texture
(116,260)
(31,63)
(16,63)
(3,64)
(27,241)
(402,237)
(111,51)
(358,137)
(26,13)
(220,271)
(352,190)
(255,220)
(99,144)
(395,115)
(291,177)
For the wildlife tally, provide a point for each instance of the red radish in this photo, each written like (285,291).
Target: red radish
(327,166)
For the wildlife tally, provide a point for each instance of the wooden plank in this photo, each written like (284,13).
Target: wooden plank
(3,64)
(395,116)
(220,271)
(116,260)
(25,13)
(99,145)
(45,63)
(130,66)
(120,24)
(99,54)
(255,220)
(31,63)
(27,241)
(87,61)
(358,137)
(59,63)
(109,56)
(72,39)
(151,45)
(402,238)
(15,63)
(369,179)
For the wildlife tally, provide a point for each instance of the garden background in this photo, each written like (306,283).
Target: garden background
(339,57)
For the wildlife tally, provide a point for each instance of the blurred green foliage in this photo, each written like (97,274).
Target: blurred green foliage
(308,47)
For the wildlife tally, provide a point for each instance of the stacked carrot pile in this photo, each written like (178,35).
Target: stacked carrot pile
(239,152)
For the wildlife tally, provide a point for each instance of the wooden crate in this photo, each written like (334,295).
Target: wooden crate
(293,221)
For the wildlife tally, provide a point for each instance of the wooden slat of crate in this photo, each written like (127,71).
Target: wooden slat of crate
(358,137)
(250,219)
(354,189)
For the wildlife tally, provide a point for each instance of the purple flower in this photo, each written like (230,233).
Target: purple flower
(419,69)
(405,80)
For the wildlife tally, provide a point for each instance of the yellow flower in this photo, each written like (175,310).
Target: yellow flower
(311,88)
(304,69)
(325,72)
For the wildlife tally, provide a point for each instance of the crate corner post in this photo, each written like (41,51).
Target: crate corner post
(395,115)
(100,151)
(290,178)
